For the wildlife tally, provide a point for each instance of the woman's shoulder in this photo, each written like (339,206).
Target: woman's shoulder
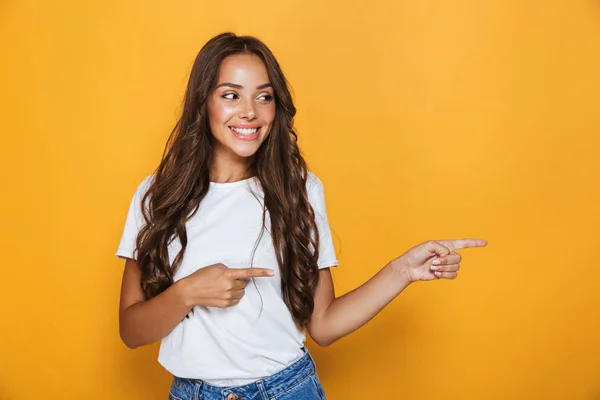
(143,186)
(313,183)
(147,181)
(312,180)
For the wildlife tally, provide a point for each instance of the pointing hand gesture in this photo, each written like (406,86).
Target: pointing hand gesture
(220,286)
(436,259)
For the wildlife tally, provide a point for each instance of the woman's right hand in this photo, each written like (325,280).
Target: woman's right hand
(218,285)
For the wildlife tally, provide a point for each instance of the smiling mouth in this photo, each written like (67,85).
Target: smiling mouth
(246,134)
(244,131)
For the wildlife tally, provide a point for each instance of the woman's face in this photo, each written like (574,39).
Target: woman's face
(241,108)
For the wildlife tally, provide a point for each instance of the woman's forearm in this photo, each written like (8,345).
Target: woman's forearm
(149,321)
(354,309)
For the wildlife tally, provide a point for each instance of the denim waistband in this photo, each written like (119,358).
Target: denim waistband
(269,386)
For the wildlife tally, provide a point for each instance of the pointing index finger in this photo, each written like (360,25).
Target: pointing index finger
(245,273)
(462,243)
(467,243)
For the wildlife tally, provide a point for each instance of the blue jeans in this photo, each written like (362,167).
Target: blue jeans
(299,381)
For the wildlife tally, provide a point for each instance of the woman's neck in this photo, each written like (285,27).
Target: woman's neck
(223,171)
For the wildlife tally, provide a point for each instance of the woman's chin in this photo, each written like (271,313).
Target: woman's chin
(246,151)
(238,148)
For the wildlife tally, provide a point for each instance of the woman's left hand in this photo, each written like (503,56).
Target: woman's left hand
(435,259)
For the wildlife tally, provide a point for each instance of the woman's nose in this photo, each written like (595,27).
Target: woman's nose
(247,110)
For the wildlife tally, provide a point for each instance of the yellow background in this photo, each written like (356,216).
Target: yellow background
(424,119)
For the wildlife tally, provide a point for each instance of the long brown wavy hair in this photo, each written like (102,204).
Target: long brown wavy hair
(181,181)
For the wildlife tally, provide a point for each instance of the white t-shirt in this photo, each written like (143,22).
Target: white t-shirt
(253,339)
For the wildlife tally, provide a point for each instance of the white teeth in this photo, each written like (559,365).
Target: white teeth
(246,132)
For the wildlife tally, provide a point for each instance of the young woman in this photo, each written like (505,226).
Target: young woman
(228,247)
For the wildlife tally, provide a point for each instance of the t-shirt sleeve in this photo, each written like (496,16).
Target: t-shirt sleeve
(316,197)
(133,223)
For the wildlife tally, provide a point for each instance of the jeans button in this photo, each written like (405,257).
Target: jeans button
(232,397)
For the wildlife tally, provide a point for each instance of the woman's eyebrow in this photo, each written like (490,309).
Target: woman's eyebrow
(236,86)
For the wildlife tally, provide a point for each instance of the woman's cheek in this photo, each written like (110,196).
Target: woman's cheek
(228,112)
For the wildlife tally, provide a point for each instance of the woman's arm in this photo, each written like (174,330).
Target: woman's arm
(143,322)
(334,318)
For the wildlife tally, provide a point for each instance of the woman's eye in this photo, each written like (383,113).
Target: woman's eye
(229,96)
(265,97)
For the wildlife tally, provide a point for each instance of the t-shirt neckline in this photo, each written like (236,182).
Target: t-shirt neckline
(224,185)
